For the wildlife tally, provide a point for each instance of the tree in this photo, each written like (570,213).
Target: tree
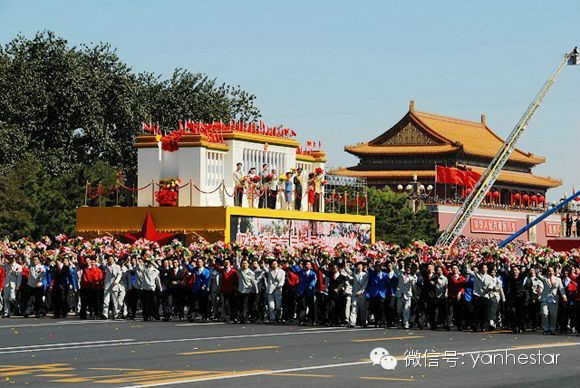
(34,203)
(77,105)
(395,221)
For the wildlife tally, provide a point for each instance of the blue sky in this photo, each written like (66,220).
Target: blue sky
(344,71)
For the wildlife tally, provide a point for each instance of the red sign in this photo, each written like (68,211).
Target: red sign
(493,225)
(553,229)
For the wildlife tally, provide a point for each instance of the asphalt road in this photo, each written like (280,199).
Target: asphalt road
(47,352)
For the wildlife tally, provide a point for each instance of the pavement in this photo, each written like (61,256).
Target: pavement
(51,352)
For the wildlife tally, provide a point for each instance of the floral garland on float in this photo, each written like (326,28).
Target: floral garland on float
(213,132)
(168,192)
(468,252)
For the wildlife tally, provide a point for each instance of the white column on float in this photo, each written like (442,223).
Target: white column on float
(148,169)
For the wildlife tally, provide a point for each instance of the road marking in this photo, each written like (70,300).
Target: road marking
(548,345)
(56,375)
(343,328)
(300,375)
(228,350)
(181,378)
(116,369)
(40,366)
(388,338)
(177,340)
(523,347)
(89,346)
(199,324)
(61,323)
(388,378)
(247,374)
(307,368)
(64,344)
(493,332)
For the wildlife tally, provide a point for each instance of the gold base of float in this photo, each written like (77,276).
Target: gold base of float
(211,223)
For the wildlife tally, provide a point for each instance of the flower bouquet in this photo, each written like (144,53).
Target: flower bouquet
(168,192)
(171,142)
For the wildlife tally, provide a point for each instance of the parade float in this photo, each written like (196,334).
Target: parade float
(185,189)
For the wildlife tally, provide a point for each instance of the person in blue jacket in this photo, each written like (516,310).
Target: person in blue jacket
(305,292)
(467,305)
(377,291)
(200,291)
(73,295)
(47,287)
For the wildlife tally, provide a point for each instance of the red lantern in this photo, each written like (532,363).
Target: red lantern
(488,194)
(541,199)
(526,198)
(496,194)
(534,198)
(517,196)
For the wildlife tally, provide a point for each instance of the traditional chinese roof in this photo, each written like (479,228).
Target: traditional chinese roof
(506,177)
(428,133)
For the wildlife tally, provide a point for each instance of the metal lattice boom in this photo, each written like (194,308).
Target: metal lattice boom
(490,175)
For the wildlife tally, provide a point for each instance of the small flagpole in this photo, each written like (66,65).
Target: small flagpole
(445,183)
(435,190)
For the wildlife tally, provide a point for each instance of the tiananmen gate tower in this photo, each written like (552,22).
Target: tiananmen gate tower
(419,142)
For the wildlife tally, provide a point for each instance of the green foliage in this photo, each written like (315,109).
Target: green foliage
(77,105)
(396,222)
(71,114)
(34,203)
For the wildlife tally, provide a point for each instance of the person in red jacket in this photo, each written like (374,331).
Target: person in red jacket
(99,287)
(88,291)
(455,289)
(289,294)
(228,289)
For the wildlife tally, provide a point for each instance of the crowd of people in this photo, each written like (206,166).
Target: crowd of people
(477,286)
(267,189)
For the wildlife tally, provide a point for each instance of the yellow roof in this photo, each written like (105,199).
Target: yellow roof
(366,149)
(446,134)
(507,177)
(476,138)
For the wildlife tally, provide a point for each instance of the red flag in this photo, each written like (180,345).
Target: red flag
(471,178)
(319,145)
(293,133)
(180,125)
(450,175)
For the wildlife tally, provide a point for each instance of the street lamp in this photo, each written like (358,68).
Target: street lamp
(416,193)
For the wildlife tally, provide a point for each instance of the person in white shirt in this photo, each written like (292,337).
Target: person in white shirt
(238,185)
(359,305)
(347,273)
(275,278)
(148,275)
(12,279)
(482,284)
(35,288)
(549,300)
(246,285)
(405,288)
(113,275)
(496,295)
